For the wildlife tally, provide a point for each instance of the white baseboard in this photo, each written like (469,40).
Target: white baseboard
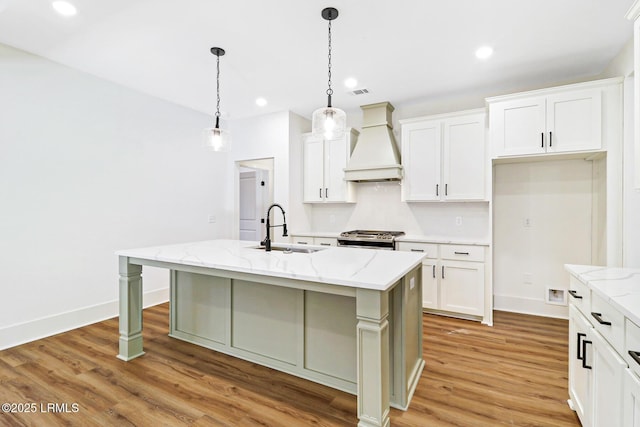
(537,307)
(14,335)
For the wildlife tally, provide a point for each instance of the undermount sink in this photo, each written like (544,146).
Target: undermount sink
(290,249)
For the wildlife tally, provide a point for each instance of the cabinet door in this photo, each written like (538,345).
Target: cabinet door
(464,158)
(313,169)
(574,121)
(631,399)
(580,378)
(335,160)
(430,284)
(608,370)
(462,287)
(518,126)
(421,161)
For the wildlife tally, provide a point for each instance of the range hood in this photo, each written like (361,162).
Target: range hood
(375,156)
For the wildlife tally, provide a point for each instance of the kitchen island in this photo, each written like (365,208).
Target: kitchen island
(347,318)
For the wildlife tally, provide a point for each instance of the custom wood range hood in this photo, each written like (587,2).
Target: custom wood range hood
(375,156)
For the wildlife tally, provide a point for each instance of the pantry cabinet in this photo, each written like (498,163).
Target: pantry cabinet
(444,157)
(324,161)
(555,120)
(453,279)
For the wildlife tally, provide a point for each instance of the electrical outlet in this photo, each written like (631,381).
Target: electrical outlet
(212,218)
(527,222)
(527,278)
(458,221)
(332,219)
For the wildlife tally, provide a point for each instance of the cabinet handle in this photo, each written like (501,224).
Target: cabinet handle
(417,250)
(575,294)
(325,244)
(437,189)
(580,336)
(326,193)
(443,271)
(584,354)
(542,140)
(320,189)
(598,317)
(550,138)
(635,355)
(434,271)
(461,253)
(446,189)
(302,243)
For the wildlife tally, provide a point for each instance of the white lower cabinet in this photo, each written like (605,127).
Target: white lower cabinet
(309,240)
(453,279)
(602,391)
(608,369)
(631,399)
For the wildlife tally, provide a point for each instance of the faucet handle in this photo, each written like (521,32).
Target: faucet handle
(284,230)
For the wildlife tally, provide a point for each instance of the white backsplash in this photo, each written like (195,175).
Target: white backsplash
(379,207)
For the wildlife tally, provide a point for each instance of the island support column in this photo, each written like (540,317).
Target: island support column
(373,358)
(130,320)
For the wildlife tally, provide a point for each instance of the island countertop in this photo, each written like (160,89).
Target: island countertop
(619,286)
(353,267)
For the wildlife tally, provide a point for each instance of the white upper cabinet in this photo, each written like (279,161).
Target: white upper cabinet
(444,157)
(324,162)
(556,120)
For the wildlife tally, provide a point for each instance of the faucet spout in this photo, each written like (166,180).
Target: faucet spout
(267,240)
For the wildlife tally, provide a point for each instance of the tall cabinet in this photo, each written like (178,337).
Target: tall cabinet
(324,162)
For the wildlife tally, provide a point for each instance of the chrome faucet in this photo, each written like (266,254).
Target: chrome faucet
(267,240)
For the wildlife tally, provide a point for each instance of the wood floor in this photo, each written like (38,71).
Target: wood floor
(514,373)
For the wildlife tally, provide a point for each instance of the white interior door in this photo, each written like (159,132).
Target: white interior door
(253,195)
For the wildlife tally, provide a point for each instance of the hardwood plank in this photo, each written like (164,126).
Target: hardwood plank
(514,373)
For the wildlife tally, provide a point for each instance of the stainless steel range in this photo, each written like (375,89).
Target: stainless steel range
(370,239)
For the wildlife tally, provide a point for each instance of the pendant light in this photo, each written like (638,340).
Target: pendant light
(215,138)
(330,122)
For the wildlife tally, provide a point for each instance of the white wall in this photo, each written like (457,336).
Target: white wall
(622,65)
(542,220)
(266,136)
(88,167)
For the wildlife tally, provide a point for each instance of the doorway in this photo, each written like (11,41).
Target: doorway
(255,194)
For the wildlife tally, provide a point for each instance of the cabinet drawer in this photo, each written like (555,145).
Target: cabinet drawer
(430,249)
(608,321)
(462,252)
(302,240)
(580,296)
(325,241)
(632,344)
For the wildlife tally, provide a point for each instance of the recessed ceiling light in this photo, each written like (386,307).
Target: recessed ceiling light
(64,8)
(484,52)
(261,102)
(350,83)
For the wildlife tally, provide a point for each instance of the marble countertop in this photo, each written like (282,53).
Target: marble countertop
(619,286)
(359,268)
(418,238)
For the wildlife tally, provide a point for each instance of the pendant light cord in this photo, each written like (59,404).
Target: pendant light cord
(218,92)
(329,90)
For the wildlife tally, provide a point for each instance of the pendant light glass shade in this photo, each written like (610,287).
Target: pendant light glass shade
(330,122)
(215,138)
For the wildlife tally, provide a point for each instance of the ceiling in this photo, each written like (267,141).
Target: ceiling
(401,51)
